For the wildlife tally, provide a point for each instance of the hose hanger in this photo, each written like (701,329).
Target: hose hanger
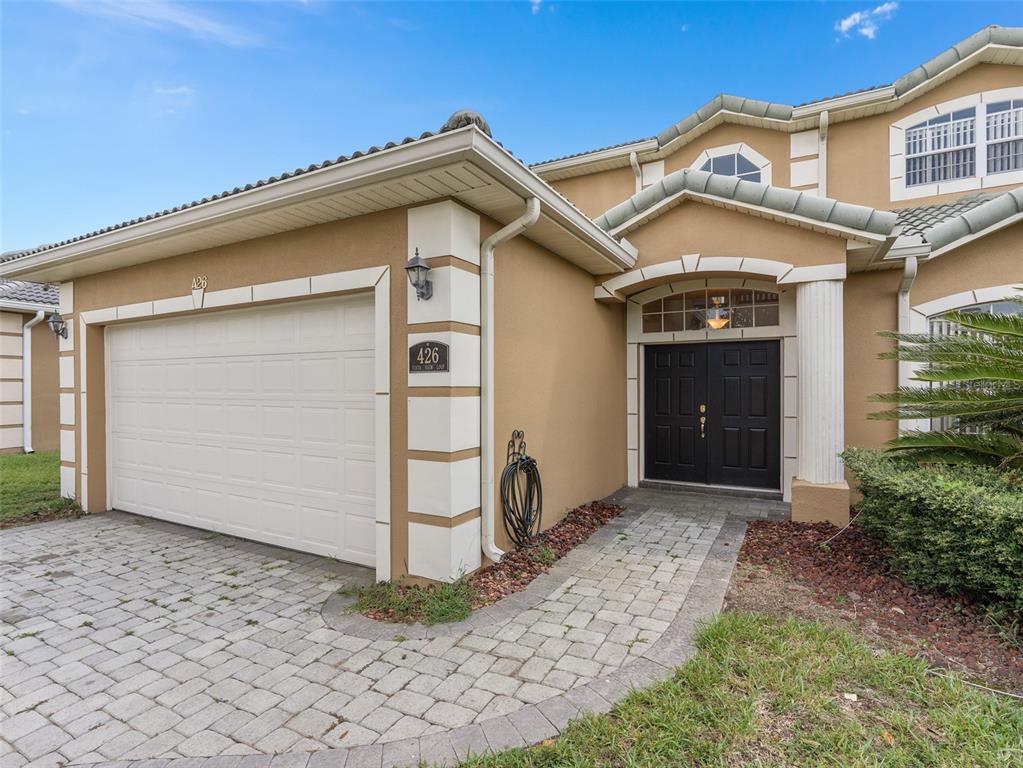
(521,492)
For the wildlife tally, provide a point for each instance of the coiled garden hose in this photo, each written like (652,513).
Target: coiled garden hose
(521,492)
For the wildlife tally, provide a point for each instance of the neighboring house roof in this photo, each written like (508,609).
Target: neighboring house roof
(992,214)
(786,202)
(28,293)
(764,110)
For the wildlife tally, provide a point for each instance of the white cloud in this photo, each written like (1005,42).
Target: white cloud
(165,14)
(174,90)
(535,6)
(866,22)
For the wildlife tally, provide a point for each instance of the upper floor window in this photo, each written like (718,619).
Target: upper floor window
(740,160)
(1005,136)
(733,165)
(942,148)
(972,142)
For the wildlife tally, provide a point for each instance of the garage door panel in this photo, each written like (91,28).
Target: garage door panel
(257,423)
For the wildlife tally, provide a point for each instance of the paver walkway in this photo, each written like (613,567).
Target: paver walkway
(124,639)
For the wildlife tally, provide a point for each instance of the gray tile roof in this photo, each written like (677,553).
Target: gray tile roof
(917,221)
(822,209)
(993,34)
(459,119)
(33,293)
(976,219)
(1010,36)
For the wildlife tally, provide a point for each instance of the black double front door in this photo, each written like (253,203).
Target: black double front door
(713,413)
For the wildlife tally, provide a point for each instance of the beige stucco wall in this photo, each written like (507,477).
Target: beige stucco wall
(870,303)
(858,150)
(695,227)
(45,400)
(594,193)
(372,240)
(560,377)
(993,260)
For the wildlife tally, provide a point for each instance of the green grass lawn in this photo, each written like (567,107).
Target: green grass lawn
(765,692)
(30,487)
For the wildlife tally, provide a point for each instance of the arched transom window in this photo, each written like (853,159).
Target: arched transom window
(713,308)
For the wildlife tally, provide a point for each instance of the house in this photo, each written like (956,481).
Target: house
(28,368)
(699,307)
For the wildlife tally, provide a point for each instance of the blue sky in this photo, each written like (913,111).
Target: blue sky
(117,108)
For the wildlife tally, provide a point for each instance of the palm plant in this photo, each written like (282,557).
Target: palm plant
(974,382)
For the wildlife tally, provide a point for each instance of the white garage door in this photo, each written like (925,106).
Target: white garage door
(256,423)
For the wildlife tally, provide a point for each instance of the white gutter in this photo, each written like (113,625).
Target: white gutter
(636,171)
(26,380)
(521,224)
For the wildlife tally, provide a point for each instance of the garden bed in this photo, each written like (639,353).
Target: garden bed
(442,603)
(784,569)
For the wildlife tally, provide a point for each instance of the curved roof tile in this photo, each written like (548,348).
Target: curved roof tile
(787,201)
(976,219)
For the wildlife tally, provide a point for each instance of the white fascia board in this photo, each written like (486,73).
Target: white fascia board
(12,305)
(525,182)
(844,102)
(389,163)
(768,213)
(552,166)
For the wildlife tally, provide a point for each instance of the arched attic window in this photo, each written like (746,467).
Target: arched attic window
(738,160)
(733,165)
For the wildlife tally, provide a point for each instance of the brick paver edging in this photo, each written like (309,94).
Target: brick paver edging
(336,615)
(534,723)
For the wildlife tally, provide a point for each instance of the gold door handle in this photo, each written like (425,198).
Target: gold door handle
(703,424)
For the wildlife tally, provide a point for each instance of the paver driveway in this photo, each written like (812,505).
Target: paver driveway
(126,638)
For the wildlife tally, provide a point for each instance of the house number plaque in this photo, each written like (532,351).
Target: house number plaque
(428,357)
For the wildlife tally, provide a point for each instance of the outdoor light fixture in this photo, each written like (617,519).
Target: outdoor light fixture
(717,316)
(419,276)
(58,325)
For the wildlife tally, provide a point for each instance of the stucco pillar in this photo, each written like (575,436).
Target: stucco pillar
(819,491)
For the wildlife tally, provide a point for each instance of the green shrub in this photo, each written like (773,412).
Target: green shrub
(954,528)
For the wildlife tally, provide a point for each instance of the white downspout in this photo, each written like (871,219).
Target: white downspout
(822,154)
(636,170)
(26,380)
(521,224)
(905,324)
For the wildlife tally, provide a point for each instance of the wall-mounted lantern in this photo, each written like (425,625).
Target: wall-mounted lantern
(58,325)
(419,276)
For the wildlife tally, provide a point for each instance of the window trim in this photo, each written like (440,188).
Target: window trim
(760,161)
(981,178)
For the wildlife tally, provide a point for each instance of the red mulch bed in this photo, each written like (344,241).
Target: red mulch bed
(520,566)
(853,580)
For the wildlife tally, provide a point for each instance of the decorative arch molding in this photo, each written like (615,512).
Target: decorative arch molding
(783,273)
(762,163)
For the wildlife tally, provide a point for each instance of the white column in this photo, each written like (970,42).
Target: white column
(821,381)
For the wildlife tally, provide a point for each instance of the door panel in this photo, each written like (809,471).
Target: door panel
(675,387)
(740,384)
(744,414)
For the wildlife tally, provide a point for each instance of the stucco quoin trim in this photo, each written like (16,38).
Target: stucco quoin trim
(376,279)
